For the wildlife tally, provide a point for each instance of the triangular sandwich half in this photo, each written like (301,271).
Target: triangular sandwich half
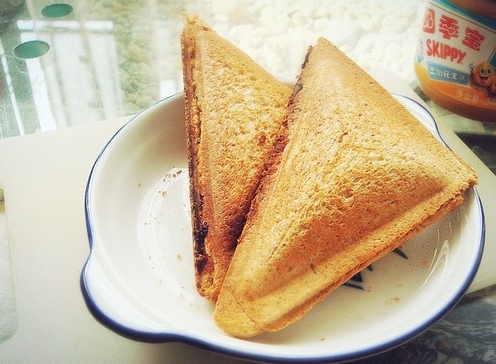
(234,113)
(359,175)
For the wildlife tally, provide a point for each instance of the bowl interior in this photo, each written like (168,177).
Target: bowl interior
(139,278)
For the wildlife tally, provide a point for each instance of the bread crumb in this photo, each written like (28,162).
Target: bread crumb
(393,300)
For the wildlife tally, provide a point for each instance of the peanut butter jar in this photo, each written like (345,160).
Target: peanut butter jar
(455,61)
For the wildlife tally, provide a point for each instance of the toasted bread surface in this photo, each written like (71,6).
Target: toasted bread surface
(357,178)
(234,111)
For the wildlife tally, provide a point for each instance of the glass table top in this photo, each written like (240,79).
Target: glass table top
(73,62)
(84,61)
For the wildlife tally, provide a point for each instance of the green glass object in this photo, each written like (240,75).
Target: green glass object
(57,10)
(31,49)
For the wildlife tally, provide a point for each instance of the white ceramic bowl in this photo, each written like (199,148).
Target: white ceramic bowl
(139,277)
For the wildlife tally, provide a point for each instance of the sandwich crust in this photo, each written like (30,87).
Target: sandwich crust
(358,177)
(234,111)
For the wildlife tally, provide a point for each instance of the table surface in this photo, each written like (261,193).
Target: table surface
(107,59)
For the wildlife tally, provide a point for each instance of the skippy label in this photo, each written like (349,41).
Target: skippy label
(457,52)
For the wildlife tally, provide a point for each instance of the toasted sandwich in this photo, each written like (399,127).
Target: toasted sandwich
(234,111)
(358,176)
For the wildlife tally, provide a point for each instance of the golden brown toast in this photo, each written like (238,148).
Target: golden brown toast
(359,176)
(234,113)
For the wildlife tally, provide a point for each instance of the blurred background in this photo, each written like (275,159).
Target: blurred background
(70,62)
